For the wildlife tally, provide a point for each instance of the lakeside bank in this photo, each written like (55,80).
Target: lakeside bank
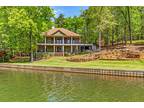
(101,64)
(111,72)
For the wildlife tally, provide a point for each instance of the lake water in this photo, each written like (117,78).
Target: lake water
(59,86)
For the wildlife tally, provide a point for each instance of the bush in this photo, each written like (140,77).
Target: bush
(20,59)
(43,56)
(6,57)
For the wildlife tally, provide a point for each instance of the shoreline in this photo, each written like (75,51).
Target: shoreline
(110,72)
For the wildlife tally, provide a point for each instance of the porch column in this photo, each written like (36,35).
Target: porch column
(63,50)
(45,45)
(63,46)
(54,45)
(71,48)
(71,44)
(62,40)
(71,40)
(77,48)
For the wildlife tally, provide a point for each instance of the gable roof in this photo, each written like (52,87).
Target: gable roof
(66,32)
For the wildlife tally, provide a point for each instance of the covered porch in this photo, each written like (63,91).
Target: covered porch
(59,50)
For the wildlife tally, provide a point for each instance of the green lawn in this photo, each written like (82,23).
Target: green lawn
(137,42)
(104,64)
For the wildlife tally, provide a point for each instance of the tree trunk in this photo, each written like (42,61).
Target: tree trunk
(142,27)
(125,38)
(31,51)
(129,25)
(117,34)
(108,40)
(100,41)
(112,37)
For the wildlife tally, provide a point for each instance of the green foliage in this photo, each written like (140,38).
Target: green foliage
(74,24)
(117,24)
(21,27)
(6,57)
(19,60)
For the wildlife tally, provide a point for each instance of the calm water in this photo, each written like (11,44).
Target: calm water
(51,86)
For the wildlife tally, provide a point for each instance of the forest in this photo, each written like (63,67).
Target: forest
(21,27)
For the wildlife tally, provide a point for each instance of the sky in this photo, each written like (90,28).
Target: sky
(68,11)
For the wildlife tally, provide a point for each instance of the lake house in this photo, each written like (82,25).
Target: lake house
(60,41)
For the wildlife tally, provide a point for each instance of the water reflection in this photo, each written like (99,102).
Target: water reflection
(59,86)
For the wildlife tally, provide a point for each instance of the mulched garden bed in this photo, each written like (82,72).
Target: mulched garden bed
(109,55)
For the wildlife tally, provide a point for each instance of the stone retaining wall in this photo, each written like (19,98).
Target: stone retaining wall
(128,73)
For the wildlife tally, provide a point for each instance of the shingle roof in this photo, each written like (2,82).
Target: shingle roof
(66,32)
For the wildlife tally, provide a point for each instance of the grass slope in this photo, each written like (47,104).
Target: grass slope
(104,64)
(137,41)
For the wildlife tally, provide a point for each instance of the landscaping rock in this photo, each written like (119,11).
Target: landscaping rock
(129,53)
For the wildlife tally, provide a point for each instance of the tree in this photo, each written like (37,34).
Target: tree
(101,19)
(60,21)
(129,23)
(115,25)
(24,25)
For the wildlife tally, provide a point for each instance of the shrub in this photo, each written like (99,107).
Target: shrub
(5,57)
(19,59)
